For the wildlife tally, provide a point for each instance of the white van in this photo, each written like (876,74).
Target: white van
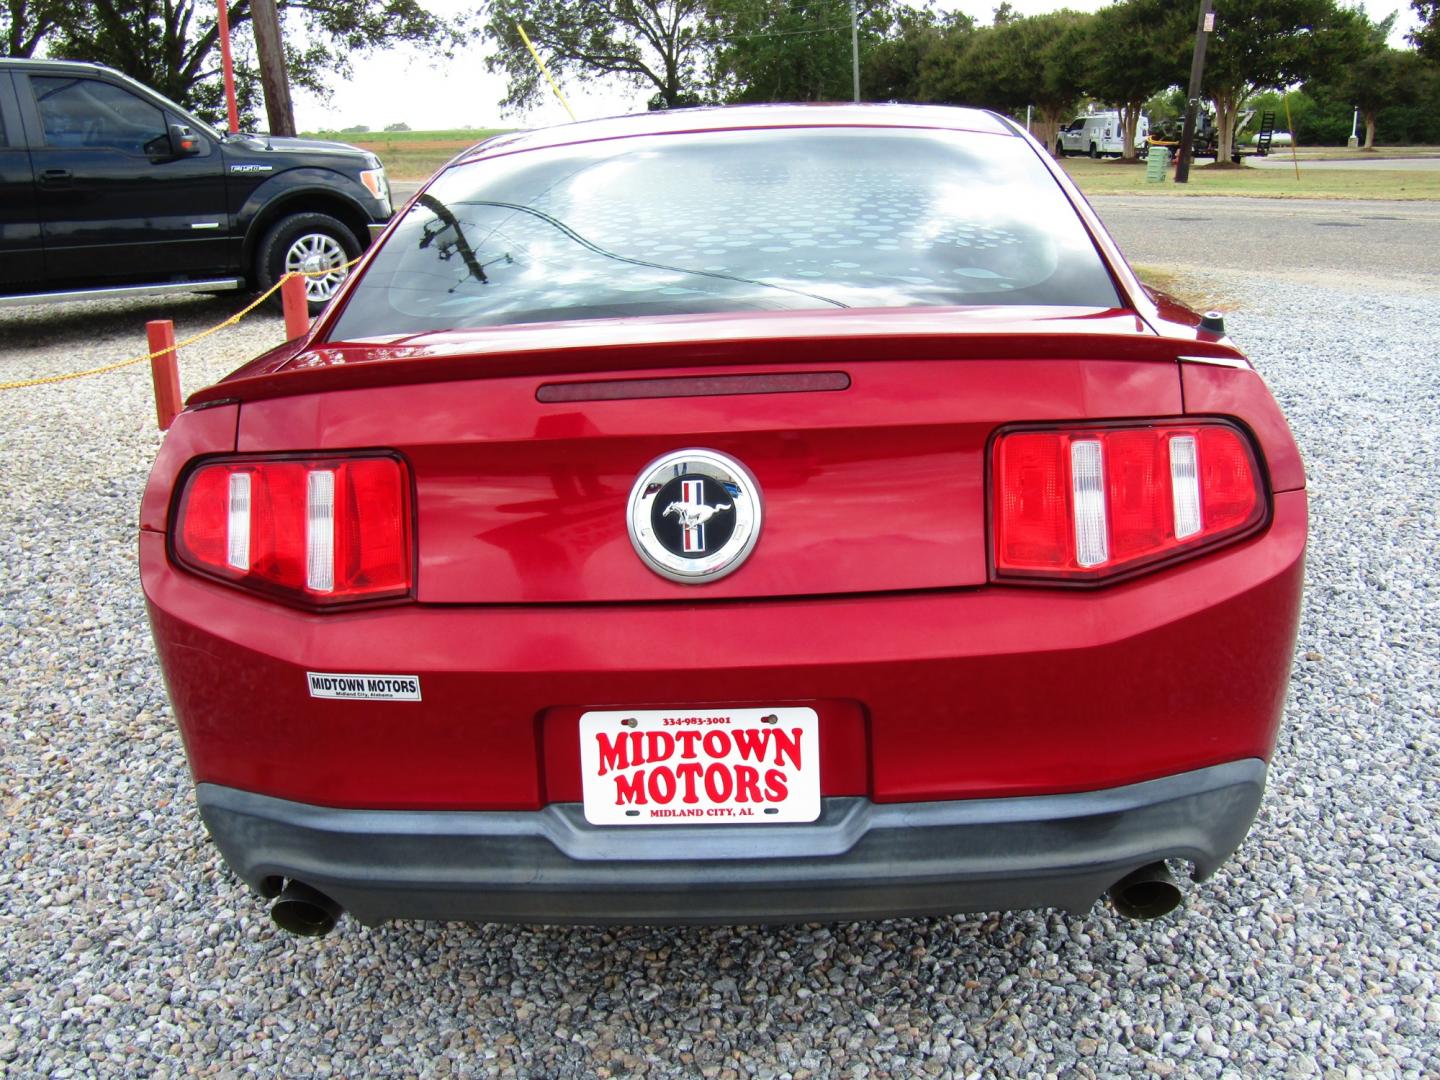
(1099,134)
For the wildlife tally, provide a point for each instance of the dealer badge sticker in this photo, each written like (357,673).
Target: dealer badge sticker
(694,515)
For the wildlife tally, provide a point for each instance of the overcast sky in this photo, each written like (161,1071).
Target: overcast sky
(404,85)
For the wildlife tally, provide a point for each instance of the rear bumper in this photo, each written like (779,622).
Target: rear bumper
(993,692)
(859,860)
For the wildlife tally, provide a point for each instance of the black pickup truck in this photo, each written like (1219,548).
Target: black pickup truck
(109,189)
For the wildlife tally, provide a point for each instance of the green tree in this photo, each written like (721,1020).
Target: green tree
(891,70)
(1269,44)
(791,50)
(1166,107)
(25,23)
(1053,42)
(173,45)
(1133,50)
(661,44)
(1323,118)
(1378,77)
(1005,14)
(1426,36)
(1026,61)
(945,74)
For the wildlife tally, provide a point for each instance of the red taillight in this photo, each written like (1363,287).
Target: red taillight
(321,531)
(1033,499)
(1085,504)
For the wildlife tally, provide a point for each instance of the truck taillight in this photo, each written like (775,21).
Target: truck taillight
(320,531)
(1087,504)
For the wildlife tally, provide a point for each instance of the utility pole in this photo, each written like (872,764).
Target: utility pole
(265,21)
(855,47)
(1203,28)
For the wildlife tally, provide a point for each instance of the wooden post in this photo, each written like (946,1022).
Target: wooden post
(164,371)
(297,307)
(270,49)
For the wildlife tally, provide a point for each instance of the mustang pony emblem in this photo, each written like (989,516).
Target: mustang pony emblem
(692,514)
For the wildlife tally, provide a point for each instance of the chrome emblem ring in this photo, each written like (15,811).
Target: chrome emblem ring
(694,515)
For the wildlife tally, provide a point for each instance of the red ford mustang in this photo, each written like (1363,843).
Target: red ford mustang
(731,515)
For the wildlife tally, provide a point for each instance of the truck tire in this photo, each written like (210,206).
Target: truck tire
(1094,150)
(307,242)
(1059,149)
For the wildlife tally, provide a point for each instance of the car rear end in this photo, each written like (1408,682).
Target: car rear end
(1012,621)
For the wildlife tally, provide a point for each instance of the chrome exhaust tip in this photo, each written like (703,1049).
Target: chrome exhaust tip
(299,909)
(1147,893)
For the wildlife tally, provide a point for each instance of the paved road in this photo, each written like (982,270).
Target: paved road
(1294,238)
(1280,159)
(1303,239)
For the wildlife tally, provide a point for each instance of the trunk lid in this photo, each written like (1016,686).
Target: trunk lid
(868,449)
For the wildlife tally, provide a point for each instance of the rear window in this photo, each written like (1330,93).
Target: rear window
(731,221)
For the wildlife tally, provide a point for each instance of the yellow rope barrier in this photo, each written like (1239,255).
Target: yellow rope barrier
(44,380)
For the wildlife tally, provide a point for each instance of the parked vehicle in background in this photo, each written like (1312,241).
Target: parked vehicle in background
(1169,133)
(109,189)
(1099,135)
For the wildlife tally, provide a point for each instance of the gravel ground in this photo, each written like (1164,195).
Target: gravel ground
(128,948)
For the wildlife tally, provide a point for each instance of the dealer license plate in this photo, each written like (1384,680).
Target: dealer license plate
(700,766)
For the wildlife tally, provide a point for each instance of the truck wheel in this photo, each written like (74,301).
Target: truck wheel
(307,242)
(1059,149)
(1094,150)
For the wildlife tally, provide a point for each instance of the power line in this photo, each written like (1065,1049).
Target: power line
(784,33)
